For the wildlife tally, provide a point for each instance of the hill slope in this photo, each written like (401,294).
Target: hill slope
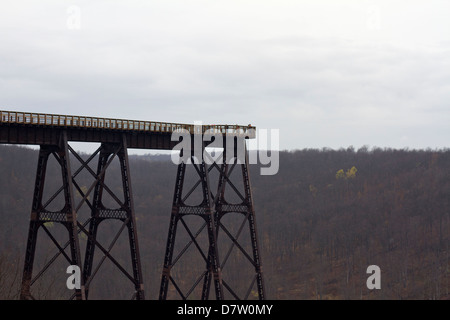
(322,220)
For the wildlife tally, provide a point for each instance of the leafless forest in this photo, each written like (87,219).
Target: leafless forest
(322,220)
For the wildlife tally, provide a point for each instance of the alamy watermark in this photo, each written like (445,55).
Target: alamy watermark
(373,21)
(262,146)
(373,281)
(73,21)
(74,280)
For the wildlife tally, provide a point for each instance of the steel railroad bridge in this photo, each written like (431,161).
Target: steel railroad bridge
(53,133)
(45,129)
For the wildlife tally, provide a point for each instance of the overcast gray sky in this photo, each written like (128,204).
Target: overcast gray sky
(326,73)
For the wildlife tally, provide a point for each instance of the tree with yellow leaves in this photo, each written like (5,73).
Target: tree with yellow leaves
(340,174)
(346,176)
(350,174)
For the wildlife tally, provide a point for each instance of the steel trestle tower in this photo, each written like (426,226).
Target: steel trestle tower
(213,208)
(40,216)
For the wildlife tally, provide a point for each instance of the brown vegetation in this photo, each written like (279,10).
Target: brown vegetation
(322,220)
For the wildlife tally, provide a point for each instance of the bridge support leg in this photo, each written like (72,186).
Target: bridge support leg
(69,216)
(205,211)
(125,213)
(213,211)
(40,216)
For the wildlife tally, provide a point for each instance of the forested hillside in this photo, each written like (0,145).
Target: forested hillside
(322,220)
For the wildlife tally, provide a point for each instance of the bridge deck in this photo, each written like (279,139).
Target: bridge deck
(45,129)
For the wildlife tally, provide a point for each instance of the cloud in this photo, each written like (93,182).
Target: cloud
(314,69)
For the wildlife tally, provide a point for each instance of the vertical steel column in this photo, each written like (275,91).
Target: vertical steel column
(35,222)
(252,228)
(71,214)
(39,215)
(173,224)
(131,221)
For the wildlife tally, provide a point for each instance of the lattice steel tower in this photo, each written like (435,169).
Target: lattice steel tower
(212,210)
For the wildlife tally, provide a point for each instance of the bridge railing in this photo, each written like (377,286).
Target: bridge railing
(54,120)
